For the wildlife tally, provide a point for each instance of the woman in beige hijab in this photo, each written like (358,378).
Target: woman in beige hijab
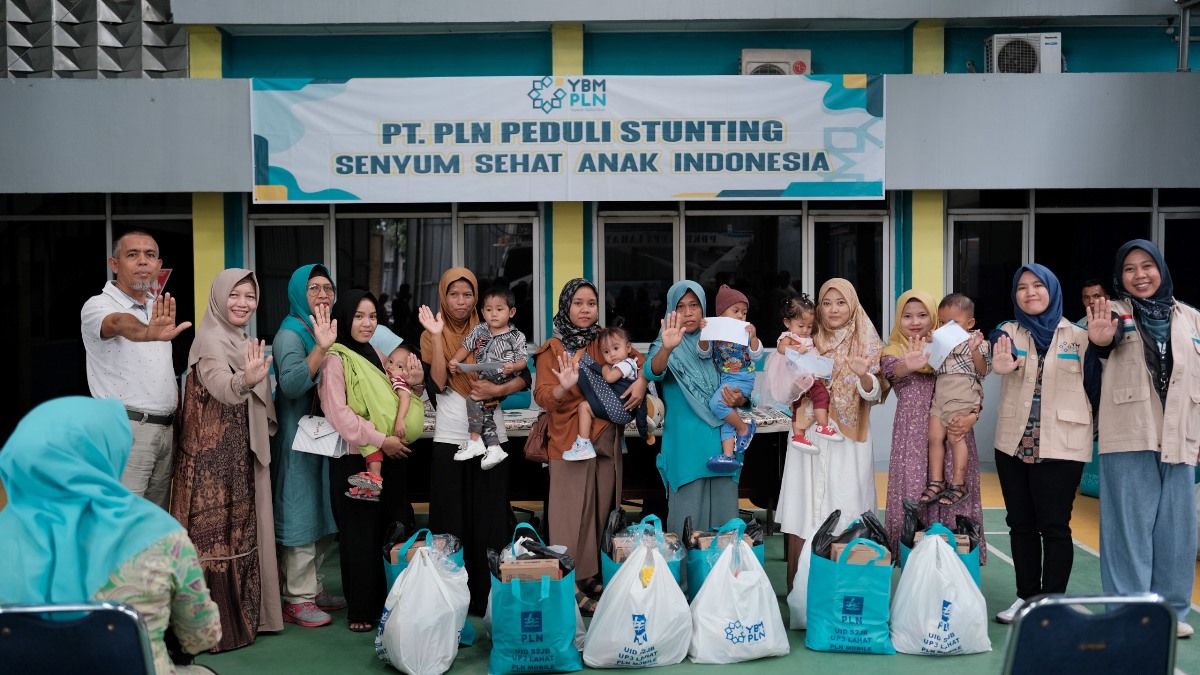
(222,489)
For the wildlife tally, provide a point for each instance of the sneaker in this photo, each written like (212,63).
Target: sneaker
(366,480)
(1007,616)
(723,463)
(494,455)
(743,442)
(829,433)
(1183,630)
(305,614)
(329,603)
(581,450)
(470,450)
(801,443)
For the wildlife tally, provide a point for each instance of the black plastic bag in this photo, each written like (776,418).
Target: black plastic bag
(823,538)
(617,521)
(396,533)
(912,523)
(970,527)
(754,530)
(540,550)
(688,533)
(493,558)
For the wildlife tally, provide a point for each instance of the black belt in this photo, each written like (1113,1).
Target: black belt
(138,416)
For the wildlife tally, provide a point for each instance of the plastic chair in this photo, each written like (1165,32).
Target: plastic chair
(1062,634)
(101,638)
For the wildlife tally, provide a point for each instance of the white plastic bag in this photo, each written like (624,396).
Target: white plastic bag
(638,626)
(937,609)
(798,599)
(736,618)
(422,616)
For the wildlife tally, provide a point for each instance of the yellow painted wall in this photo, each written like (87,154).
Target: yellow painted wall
(208,208)
(928,211)
(567,217)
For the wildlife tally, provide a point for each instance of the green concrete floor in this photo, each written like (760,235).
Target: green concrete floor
(334,649)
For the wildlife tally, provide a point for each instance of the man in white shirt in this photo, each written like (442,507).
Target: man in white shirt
(127,334)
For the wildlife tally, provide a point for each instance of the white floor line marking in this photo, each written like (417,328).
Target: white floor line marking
(992,550)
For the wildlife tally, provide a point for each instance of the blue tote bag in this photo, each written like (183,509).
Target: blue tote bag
(608,567)
(969,559)
(533,624)
(467,636)
(700,562)
(848,605)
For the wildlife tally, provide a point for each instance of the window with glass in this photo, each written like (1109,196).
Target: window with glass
(853,250)
(1080,246)
(638,266)
(1181,240)
(983,253)
(500,253)
(279,246)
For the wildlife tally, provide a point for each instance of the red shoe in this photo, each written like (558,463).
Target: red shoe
(801,443)
(829,433)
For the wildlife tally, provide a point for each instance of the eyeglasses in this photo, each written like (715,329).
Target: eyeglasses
(314,289)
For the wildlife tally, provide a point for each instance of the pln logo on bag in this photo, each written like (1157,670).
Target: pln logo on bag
(944,624)
(531,622)
(738,634)
(852,609)
(639,630)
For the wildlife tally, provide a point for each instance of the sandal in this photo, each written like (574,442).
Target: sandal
(934,490)
(587,606)
(593,587)
(953,494)
(362,626)
(362,494)
(366,479)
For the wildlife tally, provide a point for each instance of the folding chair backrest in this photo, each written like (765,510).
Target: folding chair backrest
(1051,635)
(103,638)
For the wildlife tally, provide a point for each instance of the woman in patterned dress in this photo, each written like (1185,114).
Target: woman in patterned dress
(73,533)
(905,366)
(222,488)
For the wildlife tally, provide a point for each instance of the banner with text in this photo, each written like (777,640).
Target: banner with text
(569,138)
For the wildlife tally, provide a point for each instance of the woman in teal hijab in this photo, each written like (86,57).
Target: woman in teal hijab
(692,433)
(72,533)
(304,524)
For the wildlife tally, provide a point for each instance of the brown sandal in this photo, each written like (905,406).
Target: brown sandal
(934,490)
(587,606)
(953,494)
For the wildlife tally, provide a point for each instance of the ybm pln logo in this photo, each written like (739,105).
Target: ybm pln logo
(579,93)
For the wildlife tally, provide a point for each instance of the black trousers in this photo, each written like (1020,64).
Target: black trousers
(362,528)
(1039,498)
(472,504)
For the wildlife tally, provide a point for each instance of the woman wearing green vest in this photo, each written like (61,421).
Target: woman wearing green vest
(355,394)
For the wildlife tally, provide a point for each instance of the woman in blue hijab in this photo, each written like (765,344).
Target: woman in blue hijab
(692,433)
(1044,431)
(1149,431)
(304,524)
(72,533)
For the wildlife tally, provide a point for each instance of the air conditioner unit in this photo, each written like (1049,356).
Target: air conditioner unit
(776,62)
(1023,53)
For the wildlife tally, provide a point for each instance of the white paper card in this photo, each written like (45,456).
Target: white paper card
(481,367)
(945,339)
(725,329)
(811,361)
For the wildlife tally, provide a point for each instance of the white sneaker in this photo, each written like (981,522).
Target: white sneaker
(1183,630)
(470,450)
(581,450)
(1009,614)
(494,455)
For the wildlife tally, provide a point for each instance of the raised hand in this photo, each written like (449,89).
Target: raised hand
(324,328)
(753,334)
(1003,362)
(414,372)
(915,356)
(162,320)
(257,363)
(567,371)
(859,362)
(1101,326)
(671,331)
(432,323)
(975,339)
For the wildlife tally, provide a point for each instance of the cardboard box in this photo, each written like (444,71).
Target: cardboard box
(623,547)
(962,543)
(861,554)
(704,540)
(532,569)
(394,557)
